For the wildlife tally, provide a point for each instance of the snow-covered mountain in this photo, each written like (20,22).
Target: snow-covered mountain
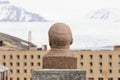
(104,14)
(91,43)
(11,13)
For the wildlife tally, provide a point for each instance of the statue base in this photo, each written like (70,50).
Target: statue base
(59,62)
(59,74)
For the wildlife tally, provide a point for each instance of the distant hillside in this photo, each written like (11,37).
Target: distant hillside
(9,42)
(104,14)
(11,13)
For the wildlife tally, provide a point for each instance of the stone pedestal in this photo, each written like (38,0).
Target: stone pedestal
(60,63)
(59,74)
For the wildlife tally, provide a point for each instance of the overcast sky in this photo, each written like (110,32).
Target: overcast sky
(64,10)
(70,11)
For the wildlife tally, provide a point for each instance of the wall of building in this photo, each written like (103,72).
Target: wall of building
(20,63)
(100,65)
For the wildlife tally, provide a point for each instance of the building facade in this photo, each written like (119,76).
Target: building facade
(100,65)
(20,63)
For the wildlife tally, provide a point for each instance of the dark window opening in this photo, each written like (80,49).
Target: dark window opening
(100,78)
(110,56)
(81,56)
(91,71)
(38,56)
(110,71)
(4,57)
(38,63)
(1,43)
(91,64)
(11,56)
(4,64)
(100,56)
(18,57)
(110,78)
(118,78)
(25,56)
(81,63)
(25,64)
(100,71)
(25,71)
(100,64)
(32,56)
(91,56)
(110,63)
(32,64)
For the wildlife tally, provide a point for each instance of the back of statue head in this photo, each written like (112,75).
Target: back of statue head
(60,57)
(60,36)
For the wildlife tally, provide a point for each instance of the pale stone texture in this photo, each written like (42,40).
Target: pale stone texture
(60,57)
(59,74)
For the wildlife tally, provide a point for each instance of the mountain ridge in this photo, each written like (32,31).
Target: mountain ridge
(104,14)
(11,13)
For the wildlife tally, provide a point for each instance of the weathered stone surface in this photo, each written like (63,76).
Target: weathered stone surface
(59,63)
(59,74)
(59,57)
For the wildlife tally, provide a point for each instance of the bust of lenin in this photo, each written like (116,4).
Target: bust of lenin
(59,57)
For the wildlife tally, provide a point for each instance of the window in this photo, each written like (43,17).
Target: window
(91,56)
(91,71)
(100,56)
(4,64)
(119,71)
(119,63)
(110,56)
(110,71)
(110,63)
(100,78)
(25,64)
(11,78)
(110,78)
(100,63)
(11,64)
(4,57)
(1,43)
(100,71)
(25,56)
(18,64)
(25,78)
(11,56)
(81,63)
(38,63)
(25,71)
(81,56)
(119,56)
(11,71)
(18,78)
(31,56)
(18,71)
(91,64)
(118,78)
(38,56)
(18,56)
(32,64)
